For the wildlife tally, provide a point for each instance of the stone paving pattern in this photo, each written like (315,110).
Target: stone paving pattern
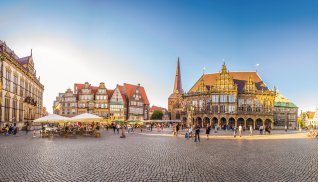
(156,158)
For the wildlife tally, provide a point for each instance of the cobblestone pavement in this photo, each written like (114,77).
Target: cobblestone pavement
(156,158)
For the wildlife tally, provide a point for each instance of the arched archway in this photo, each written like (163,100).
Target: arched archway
(206,121)
(268,123)
(249,122)
(259,122)
(178,115)
(214,121)
(184,120)
(232,122)
(199,121)
(240,121)
(223,122)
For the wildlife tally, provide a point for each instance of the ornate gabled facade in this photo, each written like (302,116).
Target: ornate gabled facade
(124,102)
(118,104)
(21,90)
(226,98)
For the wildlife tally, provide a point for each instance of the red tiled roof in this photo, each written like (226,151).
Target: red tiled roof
(80,86)
(130,89)
(239,78)
(153,108)
(110,93)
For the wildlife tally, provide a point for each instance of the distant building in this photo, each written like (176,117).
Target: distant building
(20,88)
(285,112)
(124,102)
(164,111)
(312,118)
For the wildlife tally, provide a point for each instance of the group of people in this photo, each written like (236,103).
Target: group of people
(9,130)
(236,131)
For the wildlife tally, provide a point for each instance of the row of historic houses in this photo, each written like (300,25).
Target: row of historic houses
(231,98)
(125,102)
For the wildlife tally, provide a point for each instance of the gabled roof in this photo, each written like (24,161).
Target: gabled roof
(24,60)
(130,89)
(80,86)
(310,115)
(110,93)
(239,78)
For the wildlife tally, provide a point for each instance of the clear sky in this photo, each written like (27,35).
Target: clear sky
(139,42)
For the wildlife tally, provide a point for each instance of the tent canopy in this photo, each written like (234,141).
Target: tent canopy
(51,118)
(86,117)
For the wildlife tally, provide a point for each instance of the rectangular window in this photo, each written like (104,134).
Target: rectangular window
(215,98)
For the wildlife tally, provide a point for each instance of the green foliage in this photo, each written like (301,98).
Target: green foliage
(301,120)
(157,115)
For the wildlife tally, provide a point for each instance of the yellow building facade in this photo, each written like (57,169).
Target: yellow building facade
(21,89)
(225,99)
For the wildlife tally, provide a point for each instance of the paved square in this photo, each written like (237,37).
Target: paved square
(156,158)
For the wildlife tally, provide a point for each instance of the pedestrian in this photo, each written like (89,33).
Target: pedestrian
(151,125)
(174,129)
(215,128)
(26,128)
(251,130)
(190,132)
(114,128)
(7,130)
(118,127)
(14,129)
(285,128)
(207,132)
(10,129)
(187,135)
(177,129)
(197,133)
(240,130)
(235,130)
(261,130)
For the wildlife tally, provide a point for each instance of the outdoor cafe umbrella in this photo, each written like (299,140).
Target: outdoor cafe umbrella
(51,118)
(86,117)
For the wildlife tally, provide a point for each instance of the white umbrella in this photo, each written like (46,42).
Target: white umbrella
(86,117)
(51,118)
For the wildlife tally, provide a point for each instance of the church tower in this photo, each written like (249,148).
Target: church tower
(173,100)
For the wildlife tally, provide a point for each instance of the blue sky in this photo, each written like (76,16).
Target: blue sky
(139,42)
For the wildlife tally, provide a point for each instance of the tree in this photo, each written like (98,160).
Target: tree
(301,120)
(157,115)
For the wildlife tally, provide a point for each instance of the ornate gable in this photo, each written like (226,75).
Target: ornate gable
(224,83)
(250,86)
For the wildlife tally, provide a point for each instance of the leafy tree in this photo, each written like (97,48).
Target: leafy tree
(157,115)
(302,119)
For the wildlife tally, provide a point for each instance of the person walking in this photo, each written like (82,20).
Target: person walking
(190,132)
(251,130)
(114,128)
(261,130)
(26,128)
(197,133)
(174,129)
(207,132)
(177,129)
(235,130)
(285,128)
(240,130)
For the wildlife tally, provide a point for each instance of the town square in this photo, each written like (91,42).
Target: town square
(158,90)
